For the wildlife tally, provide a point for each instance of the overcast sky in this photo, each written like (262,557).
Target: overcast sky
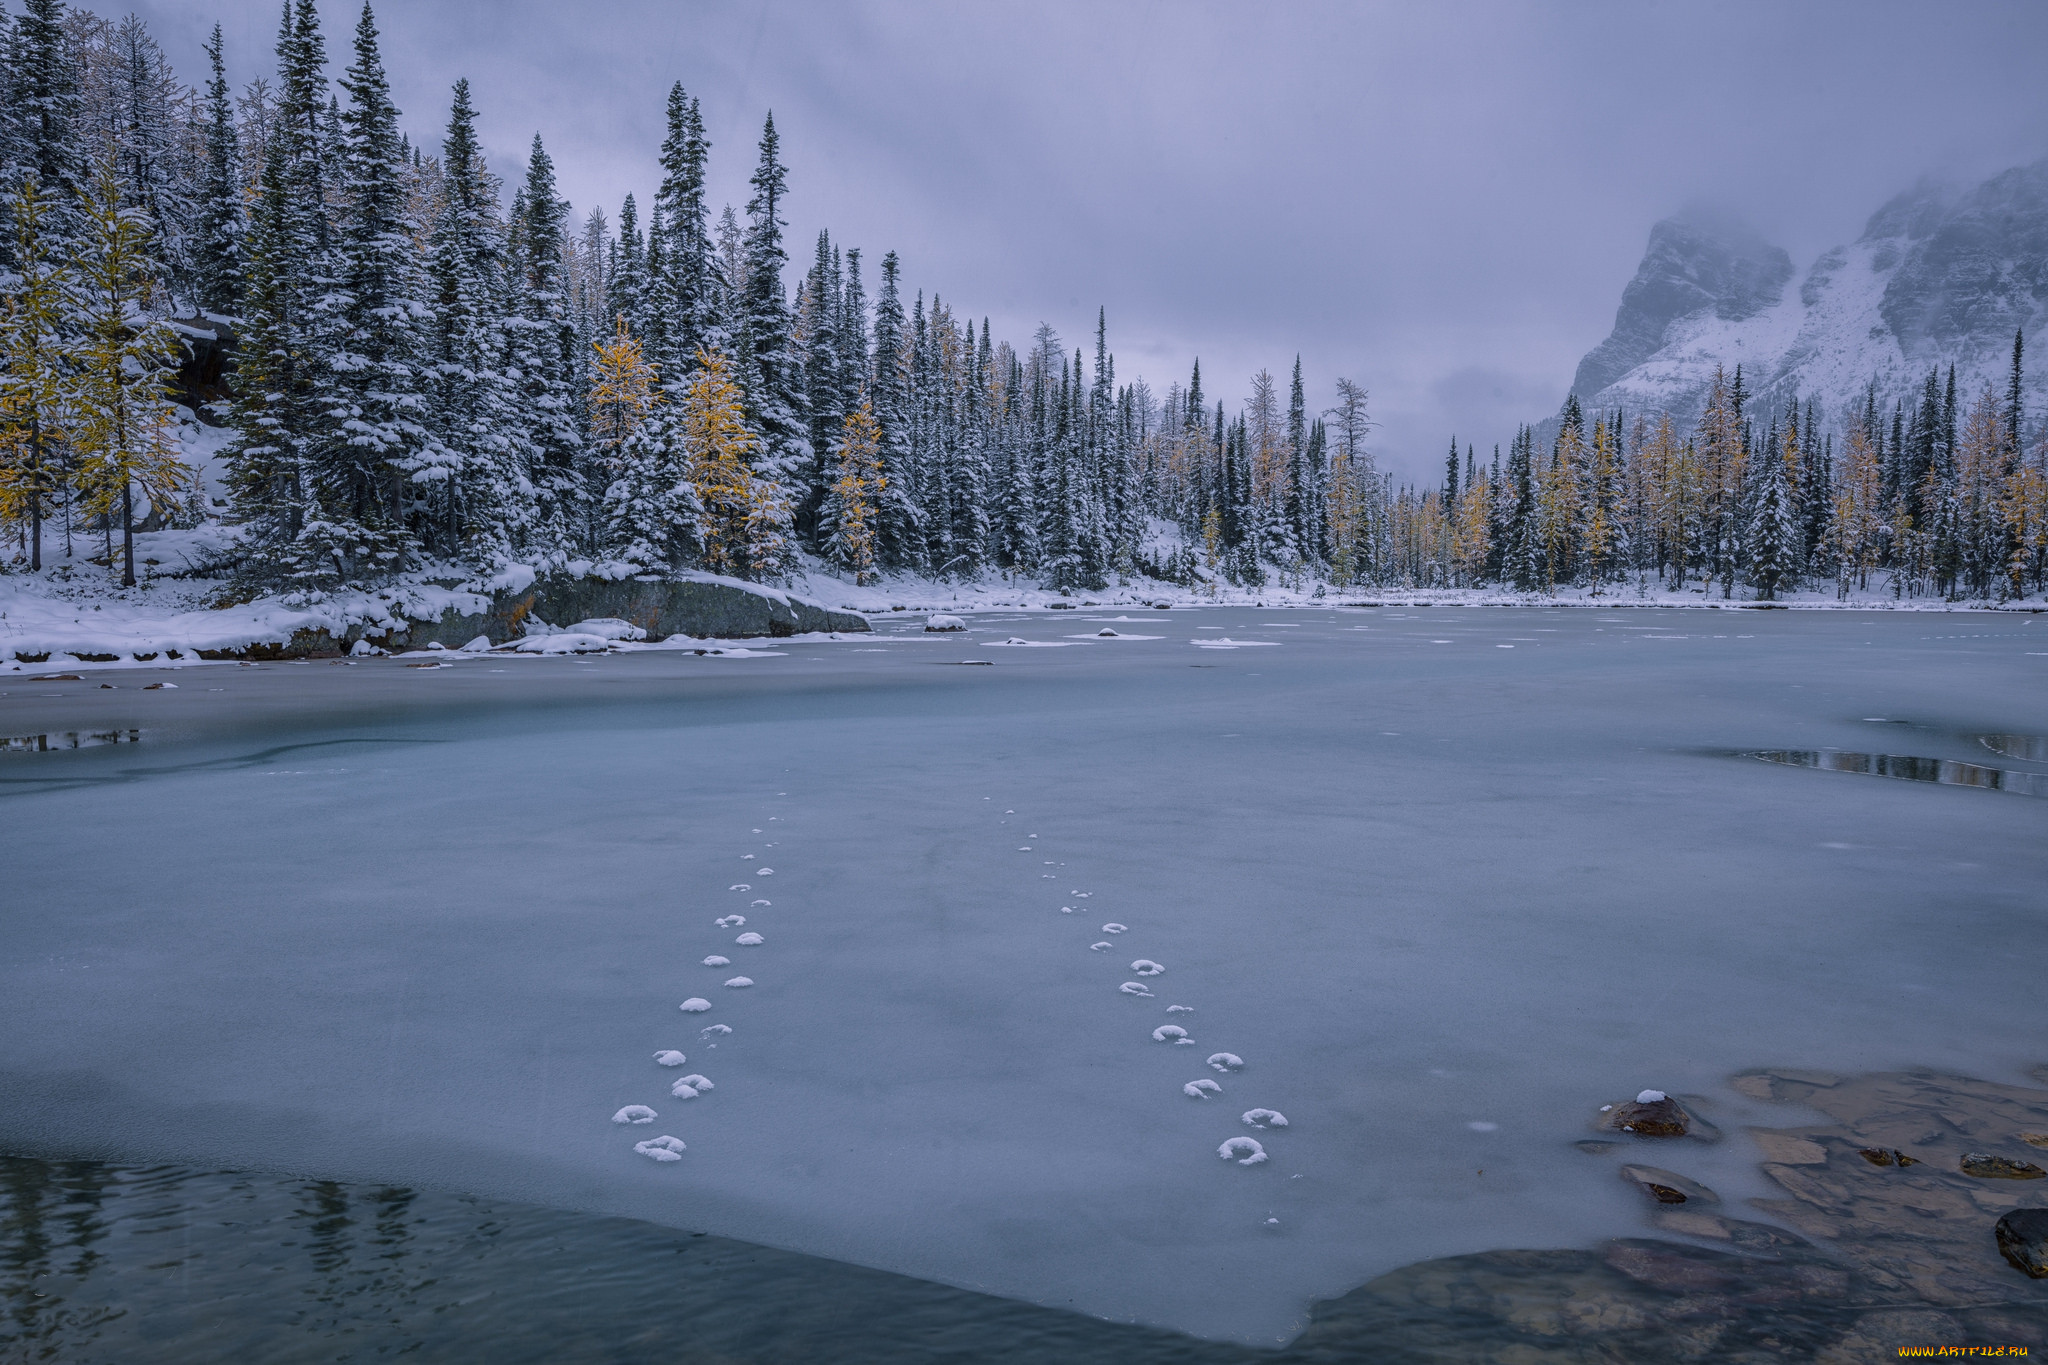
(1441,201)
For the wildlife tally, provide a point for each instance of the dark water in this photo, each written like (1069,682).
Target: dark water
(1946,771)
(126,1264)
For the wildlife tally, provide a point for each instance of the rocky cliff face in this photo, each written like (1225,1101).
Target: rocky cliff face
(1938,277)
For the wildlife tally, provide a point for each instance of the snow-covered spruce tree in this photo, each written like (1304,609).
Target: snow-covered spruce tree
(374,431)
(818,310)
(122,424)
(222,214)
(479,495)
(284,342)
(899,527)
(1773,537)
(43,107)
(627,295)
(148,143)
(652,513)
(546,365)
(35,314)
(681,228)
(745,524)
(851,505)
(770,369)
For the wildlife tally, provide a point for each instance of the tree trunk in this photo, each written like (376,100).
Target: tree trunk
(127,534)
(35,495)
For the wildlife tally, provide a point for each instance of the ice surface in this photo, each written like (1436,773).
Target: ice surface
(474,905)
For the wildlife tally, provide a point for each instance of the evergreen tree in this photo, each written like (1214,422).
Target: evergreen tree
(899,526)
(853,501)
(44,107)
(772,374)
(546,352)
(1773,538)
(223,220)
(681,222)
(652,514)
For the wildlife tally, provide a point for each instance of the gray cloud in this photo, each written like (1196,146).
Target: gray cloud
(1441,201)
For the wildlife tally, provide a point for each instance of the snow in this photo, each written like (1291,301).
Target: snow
(739,983)
(1265,1118)
(1146,967)
(670,1058)
(1202,1089)
(749,940)
(474,908)
(696,1004)
(1243,1150)
(663,1148)
(1650,1097)
(1171,1033)
(635,1113)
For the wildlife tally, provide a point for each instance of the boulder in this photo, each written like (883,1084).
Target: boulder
(1650,1114)
(2023,1240)
(1668,1187)
(1987,1167)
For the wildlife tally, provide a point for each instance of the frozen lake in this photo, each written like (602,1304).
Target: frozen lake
(1445,881)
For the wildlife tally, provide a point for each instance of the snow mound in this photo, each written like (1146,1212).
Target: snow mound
(1226,1061)
(731,921)
(1114,928)
(1201,1090)
(1243,1150)
(1650,1097)
(635,1113)
(480,645)
(663,1148)
(764,872)
(696,1004)
(363,649)
(714,1031)
(1180,1009)
(607,628)
(698,1083)
(740,983)
(1172,1033)
(565,642)
(937,622)
(670,1057)
(1145,966)
(689,1087)
(1100,947)
(716,961)
(1136,988)
(749,939)
(1265,1118)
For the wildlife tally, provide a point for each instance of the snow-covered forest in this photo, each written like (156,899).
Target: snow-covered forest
(435,367)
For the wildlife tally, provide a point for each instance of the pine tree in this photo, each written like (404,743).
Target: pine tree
(122,422)
(1773,537)
(34,349)
(223,220)
(899,526)
(547,358)
(652,513)
(681,224)
(771,371)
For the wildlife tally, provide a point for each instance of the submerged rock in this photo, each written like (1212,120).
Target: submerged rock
(2023,1240)
(1987,1167)
(1668,1187)
(1650,1114)
(1887,1156)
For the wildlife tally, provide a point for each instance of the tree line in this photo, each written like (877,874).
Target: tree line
(426,372)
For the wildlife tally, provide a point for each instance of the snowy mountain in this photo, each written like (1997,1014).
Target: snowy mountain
(1940,276)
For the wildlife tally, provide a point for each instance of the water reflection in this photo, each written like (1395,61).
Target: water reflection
(67,739)
(2027,748)
(1946,771)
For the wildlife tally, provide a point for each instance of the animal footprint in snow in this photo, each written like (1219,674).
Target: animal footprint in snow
(670,1058)
(764,902)
(1226,1061)
(731,921)
(764,871)
(1180,1009)
(716,961)
(1114,929)
(749,940)
(689,1087)
(740,886)
(1265,1118)
(715,1031)
(1100,947)
(1066,909)
(1136,988)
(1145,966)
(1243,1150)
(1172,1033)
(740,982)
(1201,1090)
(696,1004)
(663,1148)
(635,1113)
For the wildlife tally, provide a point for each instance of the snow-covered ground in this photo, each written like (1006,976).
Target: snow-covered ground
(76,608)
(947,952)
